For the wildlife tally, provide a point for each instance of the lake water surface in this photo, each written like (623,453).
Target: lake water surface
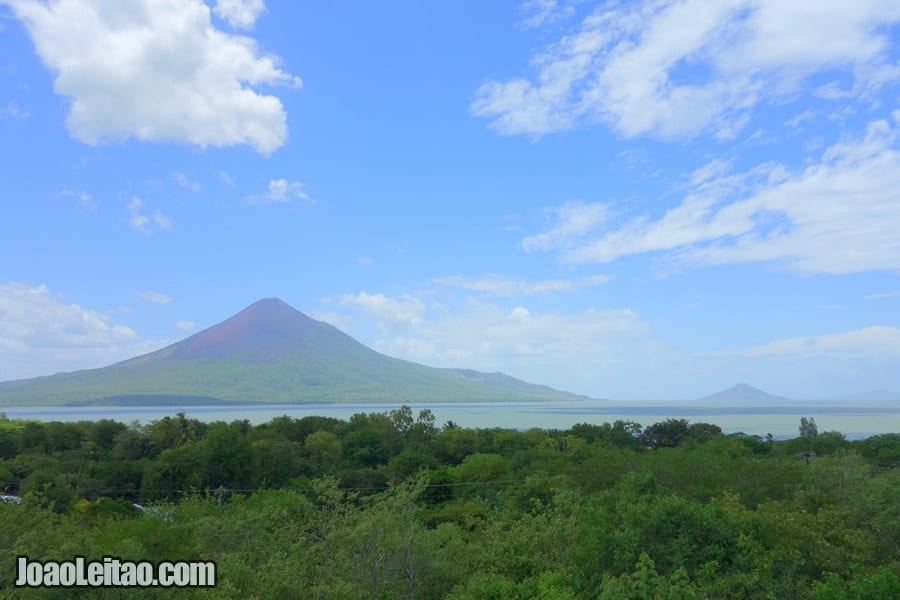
(855,420)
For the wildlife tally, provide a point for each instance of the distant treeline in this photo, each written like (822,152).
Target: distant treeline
(393,505)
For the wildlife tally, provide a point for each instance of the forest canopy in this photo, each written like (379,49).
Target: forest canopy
(393,505)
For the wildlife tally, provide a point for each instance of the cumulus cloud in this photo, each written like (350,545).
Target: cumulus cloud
(677,68)
(157,70)
(281,190)
(239,13)
(406,310)
(838,215)
(504,286)
(185,325)
(41,334)
(577,351)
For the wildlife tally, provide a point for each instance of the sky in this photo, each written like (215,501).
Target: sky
(628,200)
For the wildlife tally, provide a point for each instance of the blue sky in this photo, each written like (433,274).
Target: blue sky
(629,200)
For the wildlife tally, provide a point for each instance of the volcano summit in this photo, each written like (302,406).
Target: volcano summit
(269,353)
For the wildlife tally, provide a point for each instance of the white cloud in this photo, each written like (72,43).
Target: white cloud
(610,351)
(155,297)
(365,261)
(874,341)
(281,190)
(83,198)
(839,215)
(537,13)
(801,118)
(504,286)
(239,13)
(40,334)
(673,69)
(13,111)
(711,171)
(139,221)
(883,295)
(573,219)
(161,220)
(407,310)
(341,321)
(226,178)
(186,182)
(578,351)
(185,325)
(156,70)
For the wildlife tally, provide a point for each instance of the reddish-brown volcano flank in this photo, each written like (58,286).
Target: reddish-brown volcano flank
(261,331)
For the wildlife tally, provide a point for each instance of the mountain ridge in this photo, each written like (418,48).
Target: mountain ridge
(270,352)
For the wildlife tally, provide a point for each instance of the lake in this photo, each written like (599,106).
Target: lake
(854,420)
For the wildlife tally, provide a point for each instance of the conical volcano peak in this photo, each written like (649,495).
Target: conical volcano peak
(271,303)
(264,330)
(270,352)
(742,392)
(271,308)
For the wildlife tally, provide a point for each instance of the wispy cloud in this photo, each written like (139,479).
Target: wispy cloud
(13,111)
(116,69)
(140,221)
(883,295)
(155,297)
(838,215)
(874,341)
(226,178)
(676,69)
(504,286)
(573,220)
(280,191)
(185,325)
(186,182)
(84,199)
(538,13)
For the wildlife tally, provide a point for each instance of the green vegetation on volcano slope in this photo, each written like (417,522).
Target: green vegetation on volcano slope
(388,505)
(270,353)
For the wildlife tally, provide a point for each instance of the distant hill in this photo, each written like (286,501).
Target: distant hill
(269,353)
(742,393)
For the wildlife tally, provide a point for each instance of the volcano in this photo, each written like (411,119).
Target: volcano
(269,353)
(742,393)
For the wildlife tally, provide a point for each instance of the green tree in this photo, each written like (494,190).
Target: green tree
(323,449)
(808,427)
(667,434)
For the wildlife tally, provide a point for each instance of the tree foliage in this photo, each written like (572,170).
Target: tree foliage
(387,505)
